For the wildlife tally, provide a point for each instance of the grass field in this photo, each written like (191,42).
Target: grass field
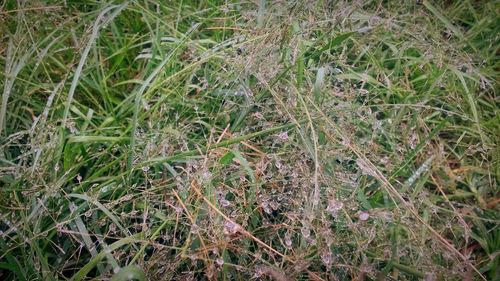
(249,140)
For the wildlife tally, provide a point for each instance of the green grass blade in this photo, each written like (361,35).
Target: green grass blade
(100,21)
(138,94)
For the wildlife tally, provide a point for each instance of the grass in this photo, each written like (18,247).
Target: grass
(231,140)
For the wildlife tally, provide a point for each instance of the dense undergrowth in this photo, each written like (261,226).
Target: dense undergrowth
(280,140)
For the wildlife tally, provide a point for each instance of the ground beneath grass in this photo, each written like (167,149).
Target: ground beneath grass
(249,140)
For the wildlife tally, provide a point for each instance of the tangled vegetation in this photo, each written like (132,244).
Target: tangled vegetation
(249,140)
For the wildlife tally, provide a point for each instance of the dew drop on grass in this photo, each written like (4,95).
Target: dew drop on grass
(283,136)
(334,206)
(429,277)
(258,273)
(265,206)
(327,258)
(88,213)
(288,240)
(178,210)
(274,205)
(306,232)
(206,175)
(363,216)
(225,203)
(195,229)
(230,228)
